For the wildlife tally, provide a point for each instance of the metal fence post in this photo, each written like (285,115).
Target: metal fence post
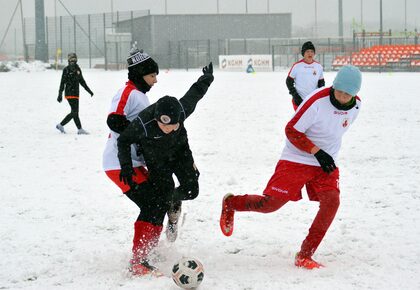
(61,37)
(46,38)
(272,57)
(74,32)
(90,56)
(390,38)
(379,59)
(105,48)
(132,26)
(208,51)
(116,55)
(179,54)
(187,56)
(354,40)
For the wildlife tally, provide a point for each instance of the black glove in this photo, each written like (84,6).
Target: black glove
(59,98)
(126,175)
(297,99)
(208,69)
(91,94)
(325,160)
(207,76)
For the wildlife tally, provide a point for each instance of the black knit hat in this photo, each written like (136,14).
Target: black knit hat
(141,63)
(72,57)
(168,110)
(307,45)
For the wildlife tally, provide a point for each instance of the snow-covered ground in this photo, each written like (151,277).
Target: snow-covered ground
(65,225)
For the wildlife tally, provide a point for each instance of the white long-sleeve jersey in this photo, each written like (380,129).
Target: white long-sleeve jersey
(306,76)
(128,101)
(317,122)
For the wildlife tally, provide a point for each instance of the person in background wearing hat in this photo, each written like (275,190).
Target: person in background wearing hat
(162,138)
(305,76)
(70,80)
(309,159)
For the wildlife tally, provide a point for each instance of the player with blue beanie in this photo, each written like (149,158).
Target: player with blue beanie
(314,136)
(348,80)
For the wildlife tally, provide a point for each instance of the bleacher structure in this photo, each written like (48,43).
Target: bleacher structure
(383,57)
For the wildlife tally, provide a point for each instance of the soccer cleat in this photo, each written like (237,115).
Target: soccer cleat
(227,217)
(174,213)
(60,128)
(306,263)
(82,131)
(143,268)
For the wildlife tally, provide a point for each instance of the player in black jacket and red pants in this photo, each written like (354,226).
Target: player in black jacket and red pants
(162,138)
(70,80)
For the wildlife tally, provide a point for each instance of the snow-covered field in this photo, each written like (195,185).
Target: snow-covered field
(65,225)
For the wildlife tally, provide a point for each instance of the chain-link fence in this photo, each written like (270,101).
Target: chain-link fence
(93,37)
(288,51)
(104,40)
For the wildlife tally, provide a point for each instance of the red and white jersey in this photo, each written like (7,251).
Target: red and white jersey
(317,122)
(306,76)
(128,102)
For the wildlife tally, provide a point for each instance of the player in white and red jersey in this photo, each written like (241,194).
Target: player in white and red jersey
(126,105)
(313,140)
(305,76)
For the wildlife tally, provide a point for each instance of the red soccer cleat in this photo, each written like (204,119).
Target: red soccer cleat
(306,263)
(143,268)
(227,217)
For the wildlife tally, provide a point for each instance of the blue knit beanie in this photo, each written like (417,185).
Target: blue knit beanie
(348,80)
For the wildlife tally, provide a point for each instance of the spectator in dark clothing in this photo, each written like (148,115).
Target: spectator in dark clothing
(70,80)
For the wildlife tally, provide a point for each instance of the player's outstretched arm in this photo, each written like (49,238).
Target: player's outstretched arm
(197,90)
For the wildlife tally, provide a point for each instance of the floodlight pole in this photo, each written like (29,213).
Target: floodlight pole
(405,15)
(380,23)
(316,20)
(340,23)
(112,16)
(41,50)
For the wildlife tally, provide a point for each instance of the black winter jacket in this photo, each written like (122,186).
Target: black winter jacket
(160,149)
(70,80)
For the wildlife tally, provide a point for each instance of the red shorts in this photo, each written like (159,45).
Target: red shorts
(290,177)
(114,175)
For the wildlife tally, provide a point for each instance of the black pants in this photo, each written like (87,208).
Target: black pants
(155,196)
(74,113)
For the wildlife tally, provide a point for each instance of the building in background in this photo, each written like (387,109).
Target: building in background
(183,41)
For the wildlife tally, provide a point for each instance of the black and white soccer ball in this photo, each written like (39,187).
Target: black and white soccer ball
(188,273)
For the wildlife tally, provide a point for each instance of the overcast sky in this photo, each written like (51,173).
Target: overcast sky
(395,16)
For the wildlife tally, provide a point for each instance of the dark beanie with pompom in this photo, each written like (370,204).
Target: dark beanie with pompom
(140,64)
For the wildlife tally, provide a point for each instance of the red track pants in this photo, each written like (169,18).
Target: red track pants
(329,202)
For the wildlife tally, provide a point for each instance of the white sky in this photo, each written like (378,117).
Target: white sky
(395,16)
(303,10)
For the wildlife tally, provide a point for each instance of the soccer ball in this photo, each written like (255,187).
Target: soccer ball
(188,273)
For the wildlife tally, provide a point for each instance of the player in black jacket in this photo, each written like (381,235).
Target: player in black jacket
(162,138)
(70,80)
